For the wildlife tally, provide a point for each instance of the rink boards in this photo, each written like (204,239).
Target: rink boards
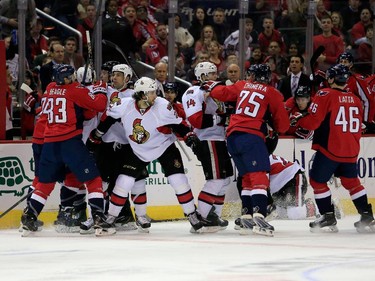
(17,169)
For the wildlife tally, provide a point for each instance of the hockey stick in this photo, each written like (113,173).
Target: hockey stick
(118,49)
(320,50)
(16,204)
(90,59)
(183,150)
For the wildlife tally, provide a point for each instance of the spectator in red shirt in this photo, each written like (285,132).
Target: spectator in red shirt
(158,48)
(37,44)
(333,44)
(269,34)
(358,33)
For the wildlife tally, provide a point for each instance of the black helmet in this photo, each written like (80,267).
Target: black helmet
(109,65)
(171,87)
(303,92)
(339,72)
(345,56)
(261,72)
(62,71)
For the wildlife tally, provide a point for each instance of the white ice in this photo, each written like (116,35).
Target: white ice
(170,252)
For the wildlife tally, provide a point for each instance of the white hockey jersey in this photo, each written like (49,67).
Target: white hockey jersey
(193,102)
(145,131)
(116,132)
(282,171)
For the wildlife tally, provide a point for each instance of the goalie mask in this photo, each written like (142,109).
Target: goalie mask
(204,68)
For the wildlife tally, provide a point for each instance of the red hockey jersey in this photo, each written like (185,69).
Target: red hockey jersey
(255,104)
(336,117)
(64,110)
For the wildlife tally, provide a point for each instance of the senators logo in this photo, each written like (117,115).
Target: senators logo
(140,135)
(220,106)
(176,163)
(114,100)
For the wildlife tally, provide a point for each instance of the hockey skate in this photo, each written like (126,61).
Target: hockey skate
(87,227)
(367,223)
(28,224)
(237,224)
(216,220)
(103,226)
(38,223)
(67,220)
(143,224)
(325,223)
(247,224)
(262,227)
(125,223)
(196,223)
(271,212)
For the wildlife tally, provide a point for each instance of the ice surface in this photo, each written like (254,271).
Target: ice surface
(170,252)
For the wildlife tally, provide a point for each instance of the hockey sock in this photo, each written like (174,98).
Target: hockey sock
(67,195)
(259,200)
(324,204)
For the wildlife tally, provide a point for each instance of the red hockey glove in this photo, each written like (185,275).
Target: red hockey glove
(209,85)
(30,102)
(304,134)
(295,117)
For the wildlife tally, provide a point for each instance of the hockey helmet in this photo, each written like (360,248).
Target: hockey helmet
(204,68)
(90,75)
(303,92)
(63,71)
(109,65)
(171,87)
(340,73)
(345,56)
(124,68)
(261,73)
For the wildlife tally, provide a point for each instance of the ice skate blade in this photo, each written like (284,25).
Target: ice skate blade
(262,231)
(246,231)
(126,226)
(143,230)
(87,231)
(27,232)
(366,229)
(326,229)
(59,228)
(104,231)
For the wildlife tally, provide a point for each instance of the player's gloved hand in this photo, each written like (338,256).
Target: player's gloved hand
(100,88)
(209,85)
(368,127)
(293,119)
(94,139)
(192,141)
(304,134)
(30,101)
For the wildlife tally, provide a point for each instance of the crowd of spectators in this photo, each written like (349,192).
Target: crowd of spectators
(275,34)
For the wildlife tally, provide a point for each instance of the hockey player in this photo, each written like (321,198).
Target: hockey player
(256,101)
(112,151)
(299,103)
(106,71)
(358,85)
(207,117)
(63,146)
(336,116)
(148,122)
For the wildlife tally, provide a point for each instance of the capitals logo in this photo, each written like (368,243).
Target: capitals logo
(140,135)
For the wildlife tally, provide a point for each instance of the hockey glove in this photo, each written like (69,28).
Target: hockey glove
(295,117)
(304,134)
(30,102)
(100,88)
(192,141)
(209,85)
(94,139)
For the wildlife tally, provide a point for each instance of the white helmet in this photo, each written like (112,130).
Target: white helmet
(145,84)
(204,68)
(124,68)
(89,75)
